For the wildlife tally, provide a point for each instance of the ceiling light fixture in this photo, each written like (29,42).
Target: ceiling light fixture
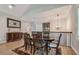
(11,6)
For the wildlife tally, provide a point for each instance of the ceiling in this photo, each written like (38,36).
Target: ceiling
(23,10)
(18,9)
(37,8)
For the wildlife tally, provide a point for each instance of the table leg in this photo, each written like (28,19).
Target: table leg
(47,48)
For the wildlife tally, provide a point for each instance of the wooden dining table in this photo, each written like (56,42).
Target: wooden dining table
(47,42)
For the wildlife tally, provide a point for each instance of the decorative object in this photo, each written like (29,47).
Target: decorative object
(57,14)
(57,27)
(11,23)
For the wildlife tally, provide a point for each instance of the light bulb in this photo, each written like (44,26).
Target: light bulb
(11,6)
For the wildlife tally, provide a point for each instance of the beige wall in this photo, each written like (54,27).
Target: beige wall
(25,27)
(3,26)
(4,29)
(63,21)
(75,40)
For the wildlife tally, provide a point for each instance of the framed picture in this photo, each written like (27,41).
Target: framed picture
(11,23)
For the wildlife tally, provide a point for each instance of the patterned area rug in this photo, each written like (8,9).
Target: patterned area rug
(20,51)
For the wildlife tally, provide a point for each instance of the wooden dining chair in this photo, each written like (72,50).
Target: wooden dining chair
(27,41)
(39,45)
(37,35)
(55,45)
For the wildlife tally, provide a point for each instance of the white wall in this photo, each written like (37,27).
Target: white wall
(25,26)
(75,39)
(3,26)
(63,21)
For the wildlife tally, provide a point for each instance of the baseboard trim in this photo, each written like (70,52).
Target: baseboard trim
(2,42)
(75,50)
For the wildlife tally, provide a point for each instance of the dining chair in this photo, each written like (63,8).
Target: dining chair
(27,41)
(39,46)
(37,35)
(55,44)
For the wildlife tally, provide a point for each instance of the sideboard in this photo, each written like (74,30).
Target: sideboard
(14,36)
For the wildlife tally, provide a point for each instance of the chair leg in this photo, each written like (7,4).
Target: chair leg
(56,51)
(31,49)
(34,50)
(25,47)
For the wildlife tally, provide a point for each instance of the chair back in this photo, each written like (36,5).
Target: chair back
(38,43)
(59,40)
(27,39)
(37,35)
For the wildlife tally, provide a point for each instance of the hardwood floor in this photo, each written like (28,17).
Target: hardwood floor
(67,50)
(6,49)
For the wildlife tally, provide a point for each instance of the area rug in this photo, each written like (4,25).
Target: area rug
(20,51)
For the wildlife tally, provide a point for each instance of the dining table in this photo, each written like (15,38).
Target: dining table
(47,41)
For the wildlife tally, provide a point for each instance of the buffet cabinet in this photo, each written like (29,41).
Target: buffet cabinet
(14,36)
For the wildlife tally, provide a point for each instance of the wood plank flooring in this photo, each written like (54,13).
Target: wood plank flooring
(6,48)
(67,50)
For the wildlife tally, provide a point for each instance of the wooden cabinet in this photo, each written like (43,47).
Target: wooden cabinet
(14,36)
(46,30)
